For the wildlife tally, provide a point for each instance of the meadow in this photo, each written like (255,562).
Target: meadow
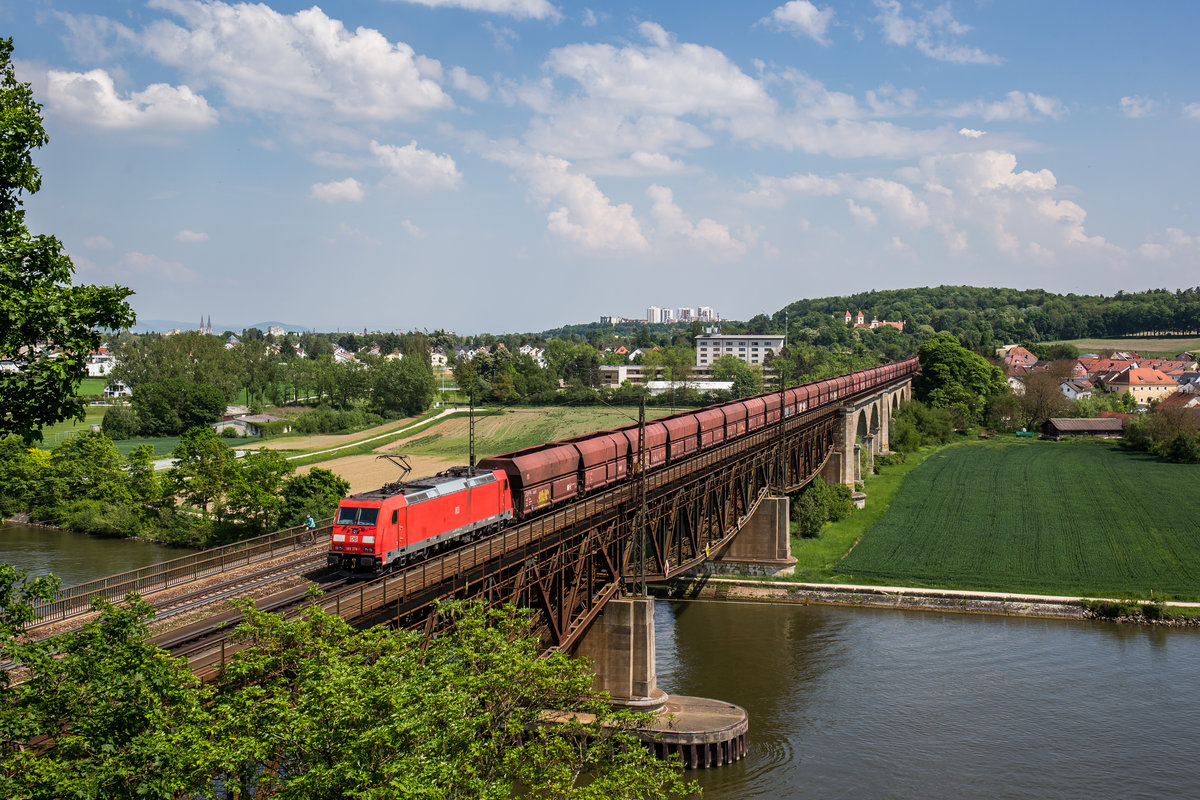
(1149,347)
(1084,518)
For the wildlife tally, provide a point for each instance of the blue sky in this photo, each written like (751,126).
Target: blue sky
(512,165)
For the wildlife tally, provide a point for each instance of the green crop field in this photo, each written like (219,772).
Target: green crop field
(1148,347)
(1083,518)
(518,428)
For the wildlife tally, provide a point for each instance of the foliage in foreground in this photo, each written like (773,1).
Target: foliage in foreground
(314,708)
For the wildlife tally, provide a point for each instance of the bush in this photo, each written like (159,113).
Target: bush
(229,432)
(1184,449)
(817,503)
(916,425)
(101,519)
(120,422)
(180,530)
(326,420)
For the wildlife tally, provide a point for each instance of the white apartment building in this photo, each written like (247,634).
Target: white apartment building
(751,348)
(705,314)
(653,314)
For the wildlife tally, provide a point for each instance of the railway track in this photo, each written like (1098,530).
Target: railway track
(209,636)
(233,588)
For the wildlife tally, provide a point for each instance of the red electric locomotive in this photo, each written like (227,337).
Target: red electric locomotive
(391,525)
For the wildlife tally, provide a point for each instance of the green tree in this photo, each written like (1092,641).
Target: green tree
(953,377)
(18,596)
(382,713)
(192,357)
(254,491)
(747,378)
(203,472)
(46,323)
(124,719)
(316,493)
(89,466)
(120,422)
(171,406)
(144,489)
(403,385)
(21,475)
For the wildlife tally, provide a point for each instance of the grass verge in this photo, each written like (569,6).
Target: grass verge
(817,558)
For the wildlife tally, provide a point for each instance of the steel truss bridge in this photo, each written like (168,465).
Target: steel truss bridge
(567,563)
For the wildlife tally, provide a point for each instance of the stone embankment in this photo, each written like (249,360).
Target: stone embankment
(944,600)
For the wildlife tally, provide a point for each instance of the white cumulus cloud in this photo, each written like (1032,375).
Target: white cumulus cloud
(412,229)
(344,191)
(417,168)
(471,85)
(294,64)
(579,211)
(971,133)
(91,99)
(1014,105)
(933,33)
(802,18)
(707,236)
(521,9)
(1192,111)
(1136,106)
(863,215)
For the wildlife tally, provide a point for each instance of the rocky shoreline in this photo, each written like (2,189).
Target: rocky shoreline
(915,599)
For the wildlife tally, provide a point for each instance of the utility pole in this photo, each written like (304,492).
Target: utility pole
(640,518)
(471,432)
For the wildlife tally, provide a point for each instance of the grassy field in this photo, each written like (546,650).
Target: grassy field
(518,428)
(443,443)
(1082,518)
(1158,347)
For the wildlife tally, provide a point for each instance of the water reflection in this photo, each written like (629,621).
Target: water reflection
(76,557)
(880,703)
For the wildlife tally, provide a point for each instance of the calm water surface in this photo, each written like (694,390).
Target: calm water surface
(76,557)
(863,703)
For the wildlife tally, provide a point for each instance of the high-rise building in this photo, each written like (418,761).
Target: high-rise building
(705,314)
(653,314)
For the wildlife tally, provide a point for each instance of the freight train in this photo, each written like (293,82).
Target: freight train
(407,520)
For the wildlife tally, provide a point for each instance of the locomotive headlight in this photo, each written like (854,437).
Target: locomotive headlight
(368,540)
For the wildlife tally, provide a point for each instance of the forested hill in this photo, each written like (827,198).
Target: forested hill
(1011,315)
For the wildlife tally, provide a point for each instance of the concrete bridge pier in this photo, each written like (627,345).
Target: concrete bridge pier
(620,645)
(762,547)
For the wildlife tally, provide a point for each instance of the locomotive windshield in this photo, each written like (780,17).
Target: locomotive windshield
(349,515)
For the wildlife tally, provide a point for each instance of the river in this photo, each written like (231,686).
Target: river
(76,557)
(873,703)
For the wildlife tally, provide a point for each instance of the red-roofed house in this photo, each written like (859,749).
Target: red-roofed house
(1144,383)
(1180,400)
(1018,356)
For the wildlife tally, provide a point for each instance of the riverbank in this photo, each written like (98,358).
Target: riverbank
(939,600)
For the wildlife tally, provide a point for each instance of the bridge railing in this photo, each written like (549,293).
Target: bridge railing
(77,599)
